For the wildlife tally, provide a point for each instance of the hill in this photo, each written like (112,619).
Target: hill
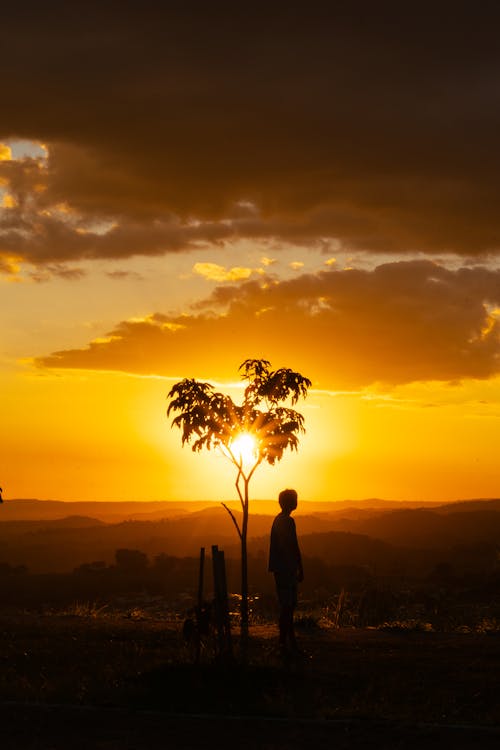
(108,512)
(116,511)
(357,535)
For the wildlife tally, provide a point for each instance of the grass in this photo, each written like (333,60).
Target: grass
(89,655)
(85,609)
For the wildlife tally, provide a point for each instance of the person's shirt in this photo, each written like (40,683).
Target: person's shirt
(284,552)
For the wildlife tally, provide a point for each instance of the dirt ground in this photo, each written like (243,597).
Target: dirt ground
(55,728)
(123,683)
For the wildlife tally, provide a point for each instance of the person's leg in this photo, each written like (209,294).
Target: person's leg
(291,630)
(286,624)
(286,588)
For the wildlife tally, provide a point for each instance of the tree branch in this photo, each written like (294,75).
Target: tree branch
(257,463)
(233,518)
(238,490)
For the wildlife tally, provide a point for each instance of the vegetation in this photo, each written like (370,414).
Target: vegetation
(373,617)
(437,569)
(209,419)
(100,658)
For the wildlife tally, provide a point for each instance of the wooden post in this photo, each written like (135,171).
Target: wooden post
(199,607)
(223,642)
(219,641)
(226,623)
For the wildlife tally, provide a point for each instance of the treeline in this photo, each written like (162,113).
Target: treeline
(134,573)
(174,580)
(413,540)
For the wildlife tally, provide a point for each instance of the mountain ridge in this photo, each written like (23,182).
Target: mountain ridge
(115,511)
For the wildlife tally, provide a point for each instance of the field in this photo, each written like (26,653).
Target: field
(127,680)
(399,621)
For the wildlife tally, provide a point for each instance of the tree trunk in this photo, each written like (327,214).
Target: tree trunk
(244,582)
(244,569)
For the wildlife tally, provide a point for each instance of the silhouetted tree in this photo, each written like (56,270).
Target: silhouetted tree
(95,567)
(209,419)
(131,561)
(164,563)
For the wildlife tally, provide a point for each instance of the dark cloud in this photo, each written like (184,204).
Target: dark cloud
(44,228)
(63,272)
(124,275)
(375,123)
(402,322)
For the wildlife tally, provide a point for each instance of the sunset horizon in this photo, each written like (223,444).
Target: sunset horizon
(250,375)
(174,202)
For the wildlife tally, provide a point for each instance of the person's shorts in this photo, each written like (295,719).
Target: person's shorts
(286,589)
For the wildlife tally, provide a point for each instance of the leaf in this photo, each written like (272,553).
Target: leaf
(208,418)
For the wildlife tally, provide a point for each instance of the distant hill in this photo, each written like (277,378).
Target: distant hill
(68,522)
(63,543)
(465,506)
(114,512)
(427,528)
(109,512)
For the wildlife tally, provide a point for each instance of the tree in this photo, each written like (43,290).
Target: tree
(131,561)
(260,429)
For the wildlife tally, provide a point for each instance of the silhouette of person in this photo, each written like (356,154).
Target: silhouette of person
(1,500)
(285,562)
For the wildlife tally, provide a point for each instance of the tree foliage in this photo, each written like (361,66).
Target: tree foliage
(209,419)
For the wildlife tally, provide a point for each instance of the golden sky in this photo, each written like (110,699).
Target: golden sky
(182,188)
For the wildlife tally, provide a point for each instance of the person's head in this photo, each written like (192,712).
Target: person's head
(288,500)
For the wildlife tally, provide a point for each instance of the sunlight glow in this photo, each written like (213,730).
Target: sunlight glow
(244,447)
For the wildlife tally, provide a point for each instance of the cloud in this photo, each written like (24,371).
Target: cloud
(124,275)
(49,271)
(402,322)
(377,129)
(42,228)
(10,267)
(5,152)
(215,272)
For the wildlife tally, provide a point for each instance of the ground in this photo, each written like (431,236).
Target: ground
(107,682)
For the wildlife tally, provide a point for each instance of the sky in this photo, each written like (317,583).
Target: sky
(187,185)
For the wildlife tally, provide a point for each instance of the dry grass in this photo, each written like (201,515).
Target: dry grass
(90,656)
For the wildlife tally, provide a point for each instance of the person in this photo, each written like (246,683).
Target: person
(285,562)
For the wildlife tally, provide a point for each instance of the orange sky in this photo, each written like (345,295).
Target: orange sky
(196,191)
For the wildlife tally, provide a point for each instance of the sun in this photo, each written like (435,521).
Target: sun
(244,448)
